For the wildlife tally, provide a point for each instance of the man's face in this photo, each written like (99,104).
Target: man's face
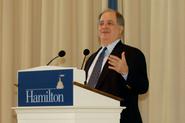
(108,29)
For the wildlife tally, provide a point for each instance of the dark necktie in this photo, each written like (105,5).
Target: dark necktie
(96,70)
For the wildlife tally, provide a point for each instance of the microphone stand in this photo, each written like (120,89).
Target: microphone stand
(52,60)
(83,62)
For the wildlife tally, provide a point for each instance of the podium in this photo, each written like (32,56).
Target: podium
(89,106)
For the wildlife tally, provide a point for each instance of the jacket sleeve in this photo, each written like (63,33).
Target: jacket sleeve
(137,80)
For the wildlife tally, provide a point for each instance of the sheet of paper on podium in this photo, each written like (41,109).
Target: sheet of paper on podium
(48,85)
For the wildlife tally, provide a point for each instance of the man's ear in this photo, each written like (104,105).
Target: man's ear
(121,30)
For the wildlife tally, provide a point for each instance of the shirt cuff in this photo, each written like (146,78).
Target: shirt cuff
(124,76)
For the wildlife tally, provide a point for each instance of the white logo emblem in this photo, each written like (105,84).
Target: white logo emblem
(60,84)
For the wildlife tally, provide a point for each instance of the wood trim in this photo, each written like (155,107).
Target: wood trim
(97,91)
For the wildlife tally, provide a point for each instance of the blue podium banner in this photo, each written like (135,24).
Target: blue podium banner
(45,88)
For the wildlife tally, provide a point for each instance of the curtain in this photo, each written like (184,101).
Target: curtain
(167,58)
(157,27)
(32,32)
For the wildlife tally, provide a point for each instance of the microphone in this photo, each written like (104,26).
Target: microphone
(62,53)
(85,52)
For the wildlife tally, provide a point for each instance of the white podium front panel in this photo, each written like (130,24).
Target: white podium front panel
(89,105)
(68,114)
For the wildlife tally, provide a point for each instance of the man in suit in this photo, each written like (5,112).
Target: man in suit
(123,69)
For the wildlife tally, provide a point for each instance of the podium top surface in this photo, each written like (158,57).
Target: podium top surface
(98,91)
(41,68)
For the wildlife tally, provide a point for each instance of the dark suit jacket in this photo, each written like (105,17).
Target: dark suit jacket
(137,81)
